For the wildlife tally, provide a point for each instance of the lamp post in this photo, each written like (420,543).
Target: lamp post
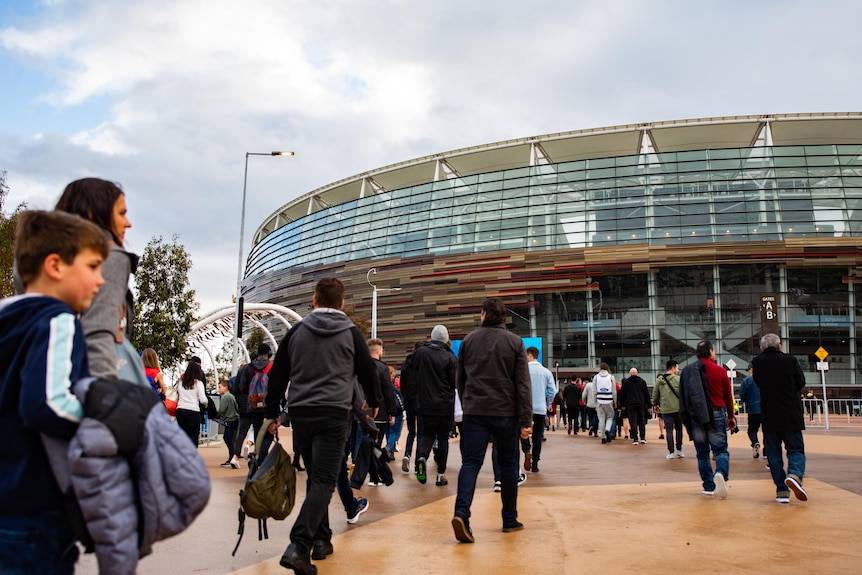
(237,332)
(375,289)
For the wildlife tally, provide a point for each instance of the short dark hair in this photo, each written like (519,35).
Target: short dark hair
(494,309)
(264,349)
(534,351)
(40,234)
(671,363)
(703,349)
(329,292)
(93,199)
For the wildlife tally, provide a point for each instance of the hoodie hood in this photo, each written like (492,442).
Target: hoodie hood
(259,363)
(326,322)
(603,372)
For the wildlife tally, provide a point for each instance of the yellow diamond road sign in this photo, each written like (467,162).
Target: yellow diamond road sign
(821,353)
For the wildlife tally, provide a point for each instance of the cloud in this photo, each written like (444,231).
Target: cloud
(184,88)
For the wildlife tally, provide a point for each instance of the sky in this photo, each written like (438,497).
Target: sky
(166,97)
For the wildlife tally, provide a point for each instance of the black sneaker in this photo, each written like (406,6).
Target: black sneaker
(441,479)
(361,507)
(321,549)
(421,472)
(298,561)
(516,526)
(461,526)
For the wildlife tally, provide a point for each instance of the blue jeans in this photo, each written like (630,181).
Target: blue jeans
(476,432)
(711,436)
(320,441)
(395,431)
(795,447)
(38,544)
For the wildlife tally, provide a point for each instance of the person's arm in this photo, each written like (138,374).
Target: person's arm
(550,390)
(202,393)
(46,403)
(524,389)
(160,381)
(102,319)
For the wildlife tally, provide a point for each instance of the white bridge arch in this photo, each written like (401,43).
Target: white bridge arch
(217,326)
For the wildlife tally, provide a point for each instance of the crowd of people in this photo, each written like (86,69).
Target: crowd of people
(74,317)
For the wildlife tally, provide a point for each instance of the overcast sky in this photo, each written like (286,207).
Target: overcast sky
(166,96)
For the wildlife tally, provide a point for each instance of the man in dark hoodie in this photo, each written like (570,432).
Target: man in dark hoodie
(319,356)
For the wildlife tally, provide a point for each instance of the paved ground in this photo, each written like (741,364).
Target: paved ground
(592,509)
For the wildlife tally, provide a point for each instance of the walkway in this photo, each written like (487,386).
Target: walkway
(592,509)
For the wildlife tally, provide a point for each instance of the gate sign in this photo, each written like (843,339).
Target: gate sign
(769,313)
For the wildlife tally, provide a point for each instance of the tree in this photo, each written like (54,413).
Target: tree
(8,223)
(360,321)
(256,338)
(165,306)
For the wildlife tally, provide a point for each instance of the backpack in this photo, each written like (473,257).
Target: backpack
(257,388)
(212,410)
(270,487)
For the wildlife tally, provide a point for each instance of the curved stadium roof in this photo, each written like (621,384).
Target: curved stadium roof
(653,137)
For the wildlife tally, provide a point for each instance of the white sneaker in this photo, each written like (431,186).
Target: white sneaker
(708,493)
(670,456)
(720,486)
(245,449)
(679,454)
(782,499)
(235,463)
(497,487)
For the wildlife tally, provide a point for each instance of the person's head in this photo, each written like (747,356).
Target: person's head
(493,310)
(263,350)
(60,255)
(150,358)
(223,387)
(605,367)
(633,372)
(672,366)
(533,353)
(375,347)
(100,201)
(195,359)
(193,372)
(329,292)
(750,369)
(440,333)
(770,340)
(704,350)
(417,345)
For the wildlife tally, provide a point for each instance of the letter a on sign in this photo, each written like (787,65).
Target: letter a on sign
(769,313)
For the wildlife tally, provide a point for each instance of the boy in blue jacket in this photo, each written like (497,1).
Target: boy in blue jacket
(42,354)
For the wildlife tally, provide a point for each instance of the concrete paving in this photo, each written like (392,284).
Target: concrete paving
(592,508)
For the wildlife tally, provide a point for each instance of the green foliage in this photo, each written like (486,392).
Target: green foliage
(165,306)
(360,321)
(7,239)
(256,338)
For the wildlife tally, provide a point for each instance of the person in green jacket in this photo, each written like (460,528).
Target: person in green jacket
(228,412)
(665,396)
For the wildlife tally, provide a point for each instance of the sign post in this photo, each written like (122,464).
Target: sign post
(823,367)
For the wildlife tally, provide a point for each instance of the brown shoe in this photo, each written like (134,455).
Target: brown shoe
(528,460)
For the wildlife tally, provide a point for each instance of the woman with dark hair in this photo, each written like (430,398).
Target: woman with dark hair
(109,319)
(192,397)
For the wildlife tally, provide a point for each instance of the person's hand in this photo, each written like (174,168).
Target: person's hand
(391,420)
(526,431)
(273,428)
(731,423)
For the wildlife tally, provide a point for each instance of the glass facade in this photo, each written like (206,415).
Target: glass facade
(771,199)
(728,195)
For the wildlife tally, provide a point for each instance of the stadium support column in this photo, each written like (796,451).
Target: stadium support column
(654,335)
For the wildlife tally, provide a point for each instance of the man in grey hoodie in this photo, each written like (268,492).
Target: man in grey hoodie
(319,356)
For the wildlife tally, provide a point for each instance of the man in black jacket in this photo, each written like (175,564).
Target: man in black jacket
(432,371)
(414,422)
(493,381)
(780,380)
(634,401)
(572,394)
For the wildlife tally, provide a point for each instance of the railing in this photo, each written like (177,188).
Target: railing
(843,413)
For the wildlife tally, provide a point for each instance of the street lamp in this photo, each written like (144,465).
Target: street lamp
(237,332)
(373,271)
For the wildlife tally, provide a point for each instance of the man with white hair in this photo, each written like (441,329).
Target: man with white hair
(780,380)
(634,401)
(432,372)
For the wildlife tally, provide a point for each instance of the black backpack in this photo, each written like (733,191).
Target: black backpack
(270,487)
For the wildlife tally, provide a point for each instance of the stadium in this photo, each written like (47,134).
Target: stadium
(626,244)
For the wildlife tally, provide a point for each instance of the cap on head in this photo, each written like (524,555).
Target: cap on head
(440,333)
